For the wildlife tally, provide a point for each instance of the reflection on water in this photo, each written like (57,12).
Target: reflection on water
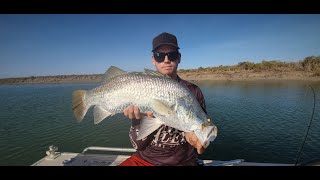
(260,121)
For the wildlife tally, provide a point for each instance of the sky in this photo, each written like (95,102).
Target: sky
(65,44)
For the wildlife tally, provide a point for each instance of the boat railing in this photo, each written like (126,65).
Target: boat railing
(220,163)
(107,149)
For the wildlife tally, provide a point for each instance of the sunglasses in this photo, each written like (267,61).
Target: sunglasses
(172,56)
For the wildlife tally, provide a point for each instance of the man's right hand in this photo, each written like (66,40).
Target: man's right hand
(133,112)
(192,139)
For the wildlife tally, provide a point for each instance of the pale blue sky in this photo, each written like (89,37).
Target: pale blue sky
(57,44)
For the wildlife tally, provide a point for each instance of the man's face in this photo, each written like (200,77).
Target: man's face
(166,59)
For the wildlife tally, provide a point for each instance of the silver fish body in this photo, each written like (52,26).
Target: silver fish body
(172,103)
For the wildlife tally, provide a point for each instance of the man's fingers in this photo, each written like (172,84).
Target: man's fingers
(200,149)
(150,114)
(136,112)
(130,112)
(133,112)
(192,139)
(125,112)
(189,137)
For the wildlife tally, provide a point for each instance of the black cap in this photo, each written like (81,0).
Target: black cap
(164,38)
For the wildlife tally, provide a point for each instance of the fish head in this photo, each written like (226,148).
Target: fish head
(188,112)
(206,134)
(194,119)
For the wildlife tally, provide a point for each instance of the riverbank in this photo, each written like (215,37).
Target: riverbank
(244,75)
(247,75)
(305,70)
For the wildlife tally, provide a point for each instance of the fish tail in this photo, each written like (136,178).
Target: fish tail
(79,106)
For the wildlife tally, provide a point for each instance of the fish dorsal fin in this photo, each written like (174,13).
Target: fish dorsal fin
(154,73)
(111,73)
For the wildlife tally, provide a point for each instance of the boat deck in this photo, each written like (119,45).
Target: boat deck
(74,159)
(54,158)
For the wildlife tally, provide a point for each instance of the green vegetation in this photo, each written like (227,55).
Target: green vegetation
(309,64)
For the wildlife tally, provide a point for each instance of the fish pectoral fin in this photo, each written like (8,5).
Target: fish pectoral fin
(162,108)
(148,126)
(100,114)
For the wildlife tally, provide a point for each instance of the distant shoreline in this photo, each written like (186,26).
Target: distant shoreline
(249,75)
(305,70)
(246,75)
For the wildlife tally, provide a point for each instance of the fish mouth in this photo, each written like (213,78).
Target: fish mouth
(207,135)
(211,135)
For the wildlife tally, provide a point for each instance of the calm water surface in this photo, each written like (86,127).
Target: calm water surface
(257,121)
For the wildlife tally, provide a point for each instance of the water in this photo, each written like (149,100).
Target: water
(257,121)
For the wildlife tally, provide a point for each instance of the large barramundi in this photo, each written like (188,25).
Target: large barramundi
(172,103)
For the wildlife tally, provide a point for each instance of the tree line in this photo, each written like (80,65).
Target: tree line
(308,64)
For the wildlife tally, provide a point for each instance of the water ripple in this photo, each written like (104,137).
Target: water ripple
(260,122)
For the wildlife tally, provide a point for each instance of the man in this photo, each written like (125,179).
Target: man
(165,146)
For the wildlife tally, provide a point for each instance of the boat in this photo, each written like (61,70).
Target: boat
(113,156)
